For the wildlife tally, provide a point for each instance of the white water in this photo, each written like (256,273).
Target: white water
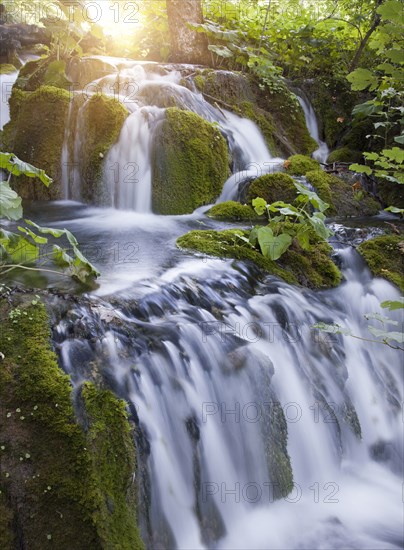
(321,154)
(200,342)
(6,85)
(127,167)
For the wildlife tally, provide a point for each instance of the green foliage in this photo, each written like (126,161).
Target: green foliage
(22,248)
(311,268)
(386,82)
(276,238)
(385,336)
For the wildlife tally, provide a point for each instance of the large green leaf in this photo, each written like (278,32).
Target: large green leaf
(362,79)
(272,246)
(17,249)
(393,304)
(392,10)
(17,167)
(10,202)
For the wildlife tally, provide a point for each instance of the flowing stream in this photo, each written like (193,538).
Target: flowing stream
(224,376)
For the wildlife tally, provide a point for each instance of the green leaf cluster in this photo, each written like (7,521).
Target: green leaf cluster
(288,222)
(22,248)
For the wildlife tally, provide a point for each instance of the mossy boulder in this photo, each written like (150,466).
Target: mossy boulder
(7,68)
(344,154)
(385,257)
(101,120)
(299,165)
(391,194)
(35,134)
(274,109)
(272,188)
(45,71)
(344,201)
(62,479)
(232,211)
(190,163)
(313,268)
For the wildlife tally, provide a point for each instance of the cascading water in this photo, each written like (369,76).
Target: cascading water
(231,390)
(321,154)
(127,167)
(6,84)
(218,364)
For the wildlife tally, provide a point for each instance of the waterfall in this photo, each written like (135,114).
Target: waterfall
(7,82)
(216,364)
(127,167)
(321,154)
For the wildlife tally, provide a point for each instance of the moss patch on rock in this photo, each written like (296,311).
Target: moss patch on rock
(313,269)
(233,211)
(385,257)
(341,197)
(102,119)
(62,480)
(299,165)
(7,68)
(391,194)
(190,163)
(273,187)
(35,134)
(276,111)
(344,154)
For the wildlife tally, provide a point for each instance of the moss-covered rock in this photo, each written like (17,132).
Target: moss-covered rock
(313,268)
(45,71)
(273,187)
(391,194)
(299,165)
(233,211)
(275,110)
(63,481)
(7,68)
(101,120)
(190,163)
(344,154)
(343,199)
(385,257)
(35,134)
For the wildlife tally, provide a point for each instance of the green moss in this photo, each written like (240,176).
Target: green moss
(35,134)
(341,197)
(391,194)
(102,118)
(190,163)
(344,154)
(7,68)
(109,438)
(232,210)
(50,464)
(299,165)
(313,268)
(385,257)
(321,182)
(199,82)
(273,187)
(265,123)
(276,112)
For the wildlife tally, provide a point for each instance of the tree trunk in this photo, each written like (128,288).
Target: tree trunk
(187,45)
(375,24)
